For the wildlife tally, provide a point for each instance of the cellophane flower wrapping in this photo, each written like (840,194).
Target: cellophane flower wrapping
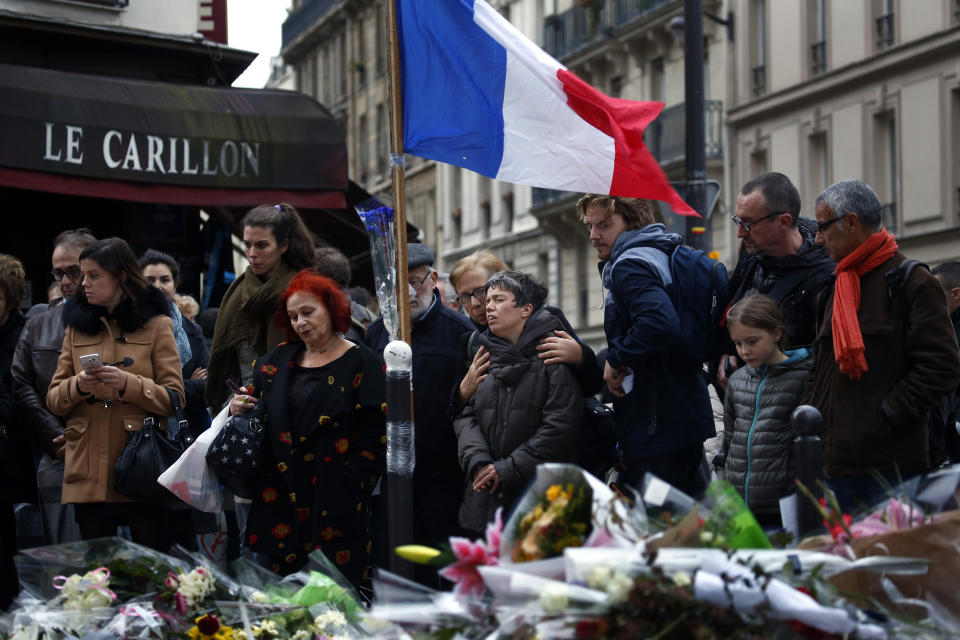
(585,513)
(155,595)
(379,222)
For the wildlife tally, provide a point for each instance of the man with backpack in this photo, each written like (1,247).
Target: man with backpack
(656,340)
(884,353)
(779,259)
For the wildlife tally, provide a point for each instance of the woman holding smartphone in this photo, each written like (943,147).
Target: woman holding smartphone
(117,317)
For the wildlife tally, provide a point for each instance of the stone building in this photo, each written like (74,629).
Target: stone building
(865,89)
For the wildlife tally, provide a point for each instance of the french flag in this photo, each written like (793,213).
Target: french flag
(478,94)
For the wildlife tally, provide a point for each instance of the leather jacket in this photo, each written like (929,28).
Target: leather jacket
(34,363)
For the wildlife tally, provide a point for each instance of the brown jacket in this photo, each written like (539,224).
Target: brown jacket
(96,434)
(880,421)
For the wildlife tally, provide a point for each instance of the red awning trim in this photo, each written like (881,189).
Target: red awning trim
(167,194)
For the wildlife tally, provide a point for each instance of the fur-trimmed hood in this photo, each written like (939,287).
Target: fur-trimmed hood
(85,317)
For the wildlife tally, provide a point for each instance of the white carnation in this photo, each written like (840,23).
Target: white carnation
(600,576)
(554,598)
(618,588)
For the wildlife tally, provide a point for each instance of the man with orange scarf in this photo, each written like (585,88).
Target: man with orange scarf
(884,353)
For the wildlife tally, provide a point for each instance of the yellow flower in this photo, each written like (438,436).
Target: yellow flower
(553,492)
(714,255)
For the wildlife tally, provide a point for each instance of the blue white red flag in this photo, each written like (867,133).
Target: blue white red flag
(478,94)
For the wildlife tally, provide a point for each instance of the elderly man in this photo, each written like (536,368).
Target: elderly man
(435,333)
(884,353)
(780,257)
(34,364)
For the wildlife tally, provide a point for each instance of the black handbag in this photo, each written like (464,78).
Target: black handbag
(148,454)
(236,453)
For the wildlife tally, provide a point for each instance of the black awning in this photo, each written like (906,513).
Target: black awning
(159,142)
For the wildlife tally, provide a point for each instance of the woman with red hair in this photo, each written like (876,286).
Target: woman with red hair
(321,399)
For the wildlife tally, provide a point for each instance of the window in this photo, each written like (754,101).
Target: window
(818,156)
(657,80)
(381,41)
(485,208)
(885,159)
(955,149)
(507,208)
(758,54)
(363,151)
(758,162)
(883,13)
(616,87)
(456,215)
(383,150)
(817,35)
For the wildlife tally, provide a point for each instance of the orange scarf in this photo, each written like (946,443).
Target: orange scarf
(847,339)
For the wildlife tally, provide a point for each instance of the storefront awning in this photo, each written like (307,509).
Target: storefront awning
(145,141)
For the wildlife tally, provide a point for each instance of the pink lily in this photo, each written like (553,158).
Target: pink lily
(471,555)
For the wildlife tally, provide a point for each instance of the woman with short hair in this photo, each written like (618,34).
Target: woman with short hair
(321,399)
(524,412)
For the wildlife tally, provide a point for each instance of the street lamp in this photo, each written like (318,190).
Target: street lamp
(695,158)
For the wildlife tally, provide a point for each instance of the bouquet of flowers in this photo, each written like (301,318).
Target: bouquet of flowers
(112,588)
(560,519)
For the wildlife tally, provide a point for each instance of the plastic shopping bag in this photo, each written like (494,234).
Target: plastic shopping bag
(190,479)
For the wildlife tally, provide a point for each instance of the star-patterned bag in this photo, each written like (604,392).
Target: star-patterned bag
(236,452)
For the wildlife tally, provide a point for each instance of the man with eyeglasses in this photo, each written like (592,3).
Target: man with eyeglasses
(885,350)
(779,258)
(434,334)
(34,364)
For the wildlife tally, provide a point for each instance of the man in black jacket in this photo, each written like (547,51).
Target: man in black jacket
(944,437)
(780,259)
(435,333)
(34,363)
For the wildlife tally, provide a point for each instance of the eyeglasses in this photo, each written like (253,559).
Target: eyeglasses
(417,283)
(73,273)
(823,226)
(480,293)
(748,224)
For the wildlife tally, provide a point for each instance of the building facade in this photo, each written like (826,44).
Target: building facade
(866,89)
(633,49)
(337,53)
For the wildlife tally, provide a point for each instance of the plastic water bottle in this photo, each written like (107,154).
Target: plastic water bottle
(401,452)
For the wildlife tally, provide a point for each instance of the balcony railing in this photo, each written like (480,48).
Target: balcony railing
(818,57)
(302,18)
(760,80)
(542,197)
(889,217)
(666,137)
(113,4)
(885,31)
(569,30)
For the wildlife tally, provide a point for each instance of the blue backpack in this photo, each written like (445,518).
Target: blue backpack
(699,292)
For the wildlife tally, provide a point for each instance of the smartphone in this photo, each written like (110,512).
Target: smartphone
(90,361)
(234,388)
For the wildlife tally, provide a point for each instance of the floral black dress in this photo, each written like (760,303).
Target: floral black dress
(324,449)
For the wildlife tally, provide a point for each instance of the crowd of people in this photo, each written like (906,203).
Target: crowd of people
(823,311)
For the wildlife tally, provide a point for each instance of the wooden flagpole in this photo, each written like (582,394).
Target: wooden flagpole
(398,489)
(397,171)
